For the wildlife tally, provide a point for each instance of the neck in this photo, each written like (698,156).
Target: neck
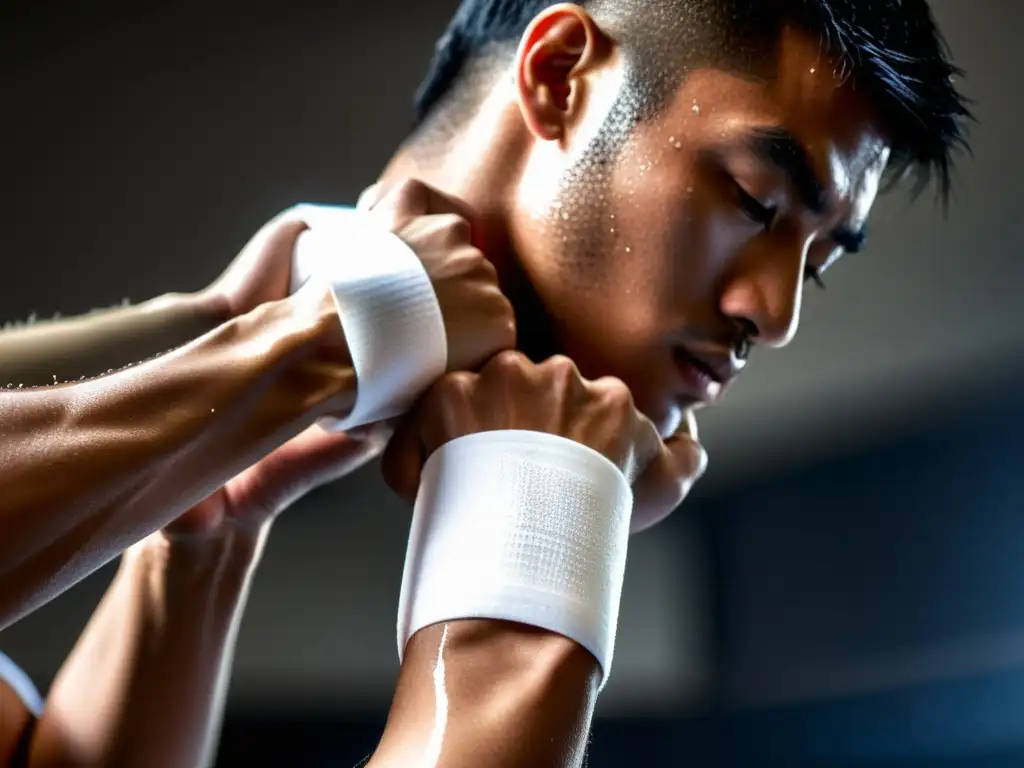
(481,163)
(478,160)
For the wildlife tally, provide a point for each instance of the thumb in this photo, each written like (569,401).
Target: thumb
(412,198)
(396,206)
(403,460)
(311,459)
(687,454)
(680,463)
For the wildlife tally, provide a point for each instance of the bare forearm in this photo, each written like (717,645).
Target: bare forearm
(146,683)
(88,469)
(490,694)
(56,351)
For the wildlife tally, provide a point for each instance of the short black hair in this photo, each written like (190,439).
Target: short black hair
(892,49)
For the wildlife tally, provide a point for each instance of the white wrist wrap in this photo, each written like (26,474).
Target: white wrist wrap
(521,526)
(389,311)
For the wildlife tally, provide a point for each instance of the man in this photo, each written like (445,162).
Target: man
(656,181)
(146,681)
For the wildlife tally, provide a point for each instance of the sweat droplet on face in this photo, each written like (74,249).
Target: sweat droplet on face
(695,108)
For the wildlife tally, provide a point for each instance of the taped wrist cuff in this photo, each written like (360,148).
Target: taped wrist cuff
(521,526)
(389,312)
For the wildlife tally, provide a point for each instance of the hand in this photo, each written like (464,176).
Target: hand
(250,502)
(261,272)
(511,392)
(478,318)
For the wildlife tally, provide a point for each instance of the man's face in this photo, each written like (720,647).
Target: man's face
(661,265)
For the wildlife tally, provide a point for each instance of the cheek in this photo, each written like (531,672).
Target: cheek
(648,210)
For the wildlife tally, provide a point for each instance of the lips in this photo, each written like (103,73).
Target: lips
(703,376)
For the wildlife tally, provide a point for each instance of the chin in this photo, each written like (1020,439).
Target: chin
(667,421)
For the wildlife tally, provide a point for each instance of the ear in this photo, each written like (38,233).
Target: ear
(561,45)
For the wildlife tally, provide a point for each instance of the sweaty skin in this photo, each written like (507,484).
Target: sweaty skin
(617,265)
(146,681)
(92,467)
(169,620)
(513,695)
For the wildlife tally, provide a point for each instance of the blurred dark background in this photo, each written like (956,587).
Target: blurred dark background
(846,588)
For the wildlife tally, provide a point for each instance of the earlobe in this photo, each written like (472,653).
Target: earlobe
(559,47)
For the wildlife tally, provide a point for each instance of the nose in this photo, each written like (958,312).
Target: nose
(763,297)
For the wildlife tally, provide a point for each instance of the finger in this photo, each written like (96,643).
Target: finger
(370,196)
(412,198)
(678,465)
(403,460)
(685,451)
(401,203)
(268,255)
(311,459)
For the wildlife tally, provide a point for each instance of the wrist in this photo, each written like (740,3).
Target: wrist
(506,651)
(315,311)
(218,565)
(182,317)
(210,306)
(531,694)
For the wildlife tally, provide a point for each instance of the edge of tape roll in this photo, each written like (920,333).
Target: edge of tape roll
(389,312)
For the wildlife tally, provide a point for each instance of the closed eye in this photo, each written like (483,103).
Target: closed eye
(814,274)
(752,208)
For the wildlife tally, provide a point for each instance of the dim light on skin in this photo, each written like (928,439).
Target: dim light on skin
(657,252)
(660,252)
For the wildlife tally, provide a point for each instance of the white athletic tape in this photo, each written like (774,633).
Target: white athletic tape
(389,311)
(521,526)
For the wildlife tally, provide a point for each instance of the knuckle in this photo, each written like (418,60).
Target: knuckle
(561,365)
(453,386)
(563,373)
(484,267)
(507,362)
(407,188)
(507,329)
(614,393)
(461,228)
(498,302)
(452,229)
(472,264)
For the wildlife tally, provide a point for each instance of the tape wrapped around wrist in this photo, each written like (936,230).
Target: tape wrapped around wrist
(393,324)
(520,526)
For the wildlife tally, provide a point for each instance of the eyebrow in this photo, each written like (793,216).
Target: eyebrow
(785,151)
